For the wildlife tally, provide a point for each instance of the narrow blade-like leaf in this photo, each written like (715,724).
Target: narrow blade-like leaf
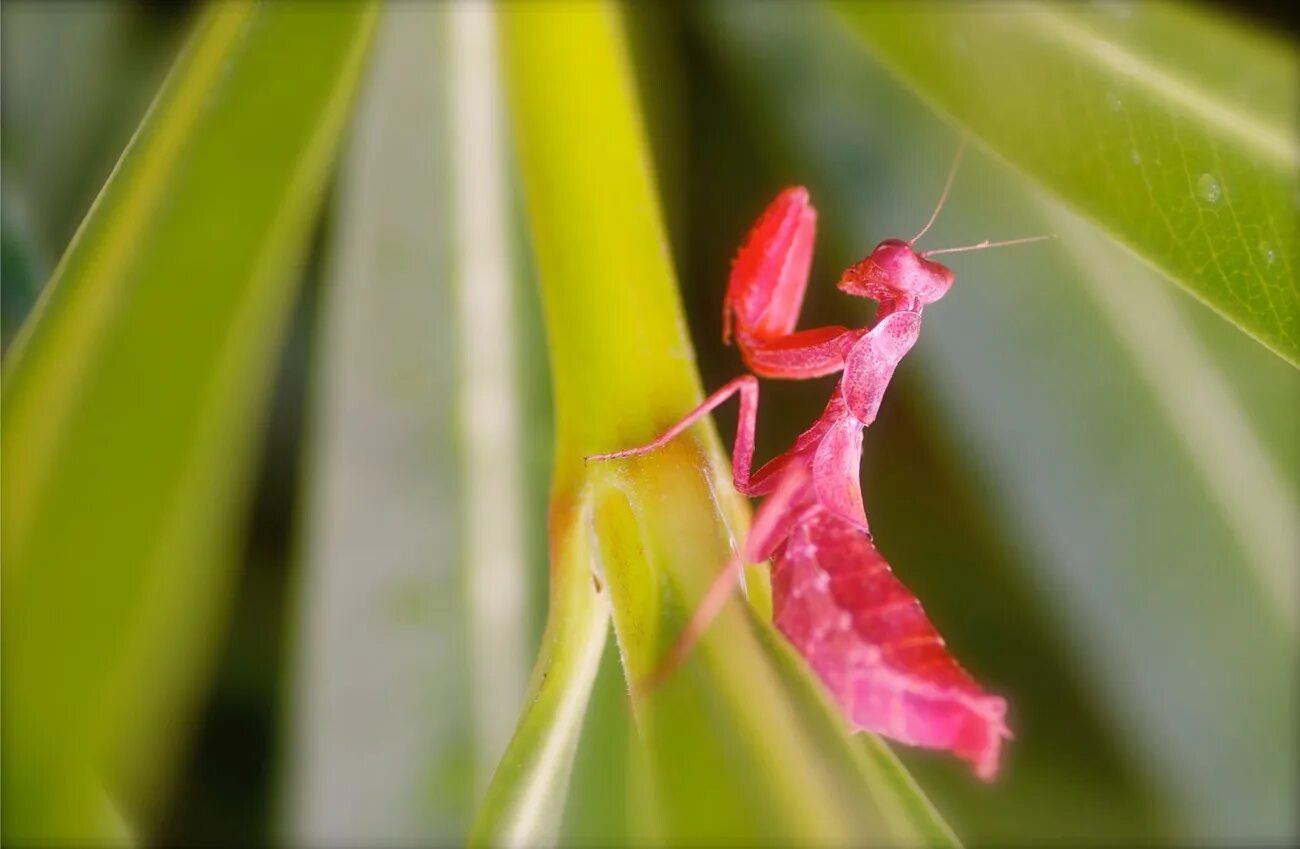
(381,676)
(131,402)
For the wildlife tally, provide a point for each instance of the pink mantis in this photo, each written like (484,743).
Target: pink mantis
(834,596)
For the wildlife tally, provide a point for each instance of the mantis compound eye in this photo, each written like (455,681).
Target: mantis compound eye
(894,269)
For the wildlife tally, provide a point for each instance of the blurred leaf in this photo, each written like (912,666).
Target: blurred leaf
(495,562)
(525,802)
(130,403)
(1171,129)
(740,744)
(381,673)
(1100,448)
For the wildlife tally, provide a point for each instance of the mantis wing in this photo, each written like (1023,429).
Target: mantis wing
(867,637)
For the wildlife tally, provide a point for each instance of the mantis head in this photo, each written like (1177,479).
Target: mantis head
(894,270)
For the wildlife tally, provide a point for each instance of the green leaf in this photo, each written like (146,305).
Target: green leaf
(490,417)
(381,672)
(740,744)
(1172,130)
(131,402)
(1072,473)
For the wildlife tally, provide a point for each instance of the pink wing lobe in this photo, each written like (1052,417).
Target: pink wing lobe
(837,601)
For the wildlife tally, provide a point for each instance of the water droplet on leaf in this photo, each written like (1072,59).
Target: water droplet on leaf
(1269,254)
(1208,188)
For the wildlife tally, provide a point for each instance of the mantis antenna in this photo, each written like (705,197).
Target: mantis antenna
(947,186)
(979,246)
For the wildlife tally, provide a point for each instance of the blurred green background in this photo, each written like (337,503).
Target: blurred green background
(1088,476)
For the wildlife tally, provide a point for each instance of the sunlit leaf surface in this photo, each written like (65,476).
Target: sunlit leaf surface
(1172,130)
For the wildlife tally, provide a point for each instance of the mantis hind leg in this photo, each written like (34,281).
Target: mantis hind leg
(771,526)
